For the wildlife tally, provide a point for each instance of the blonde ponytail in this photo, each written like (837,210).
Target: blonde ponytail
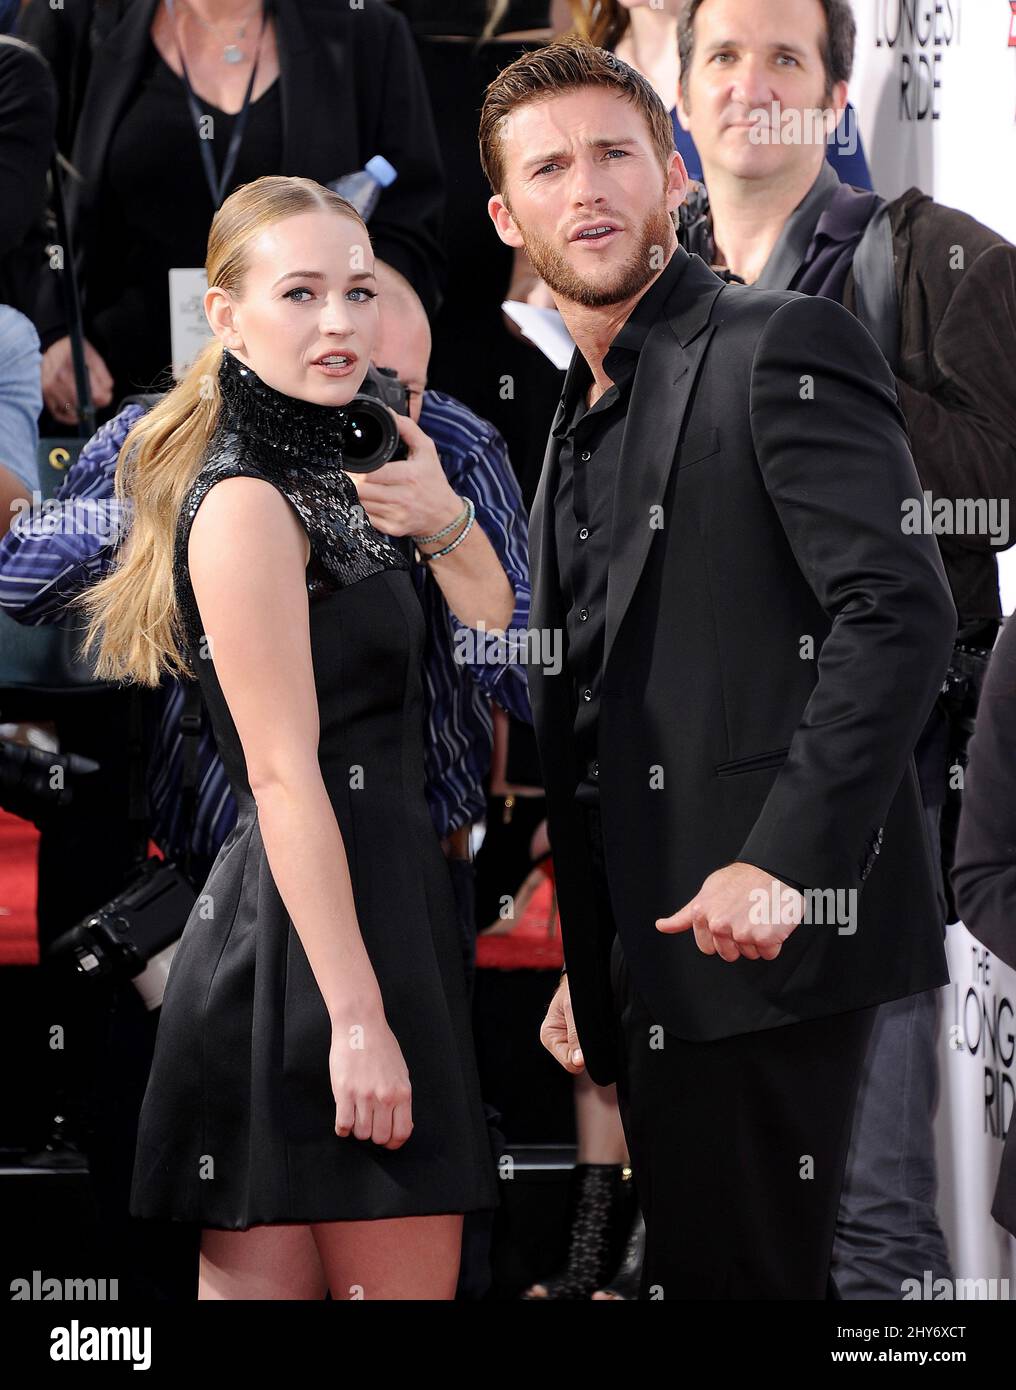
(133,609)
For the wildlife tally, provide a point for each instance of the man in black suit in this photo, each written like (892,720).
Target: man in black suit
(752,647)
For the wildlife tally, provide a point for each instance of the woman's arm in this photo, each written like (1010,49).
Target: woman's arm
(248,554)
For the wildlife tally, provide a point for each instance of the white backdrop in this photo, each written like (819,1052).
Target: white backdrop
(935,90)
(976,1106)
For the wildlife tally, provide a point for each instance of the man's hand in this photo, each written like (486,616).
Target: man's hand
(59,387)
(410,496)
(739,911)
(558,1033)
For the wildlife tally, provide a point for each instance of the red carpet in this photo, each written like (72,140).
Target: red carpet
(534,943)
(19,846)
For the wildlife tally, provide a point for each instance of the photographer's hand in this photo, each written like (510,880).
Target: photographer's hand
(412,497)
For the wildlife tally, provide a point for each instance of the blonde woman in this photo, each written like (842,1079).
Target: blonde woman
(313,1102)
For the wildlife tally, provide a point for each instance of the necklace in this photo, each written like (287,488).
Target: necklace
(231,52)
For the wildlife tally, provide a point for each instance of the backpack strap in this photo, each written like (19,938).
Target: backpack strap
(878,303)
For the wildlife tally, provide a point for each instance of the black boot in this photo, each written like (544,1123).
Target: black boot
(603,1207)
(628,1279)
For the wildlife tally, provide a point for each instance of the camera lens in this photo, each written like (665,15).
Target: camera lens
(370,437)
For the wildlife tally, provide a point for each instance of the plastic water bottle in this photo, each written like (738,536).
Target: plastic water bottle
(363,188)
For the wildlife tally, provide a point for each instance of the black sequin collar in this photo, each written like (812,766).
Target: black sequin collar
(301,431)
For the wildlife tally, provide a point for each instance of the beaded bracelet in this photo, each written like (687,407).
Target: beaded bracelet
(436,554)
(423,540)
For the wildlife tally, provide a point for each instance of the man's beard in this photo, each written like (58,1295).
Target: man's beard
(625,282)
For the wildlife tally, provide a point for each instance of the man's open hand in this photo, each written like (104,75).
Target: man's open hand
(558,1033)
(739,911)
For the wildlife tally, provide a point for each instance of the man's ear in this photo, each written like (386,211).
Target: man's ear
(839,100)
(682,114)
(677,182)
(504,223)
(219,313)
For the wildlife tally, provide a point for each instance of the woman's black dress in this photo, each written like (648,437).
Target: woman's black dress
(238,1122)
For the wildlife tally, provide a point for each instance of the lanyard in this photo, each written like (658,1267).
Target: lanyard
(217,185)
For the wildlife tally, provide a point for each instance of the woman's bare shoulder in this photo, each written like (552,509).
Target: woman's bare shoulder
(244,515)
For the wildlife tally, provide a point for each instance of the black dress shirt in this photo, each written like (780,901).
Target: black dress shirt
(584,508)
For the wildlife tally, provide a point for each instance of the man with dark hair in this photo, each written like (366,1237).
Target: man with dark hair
(752,647)
(938,291)
(836,44)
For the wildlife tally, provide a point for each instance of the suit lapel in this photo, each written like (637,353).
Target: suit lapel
(660,394)
(547,606)
(115,65)
(668,366)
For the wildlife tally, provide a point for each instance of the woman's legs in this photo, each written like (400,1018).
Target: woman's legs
(405,1257)
(279,1262)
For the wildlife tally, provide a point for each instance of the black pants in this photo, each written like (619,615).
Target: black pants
(737,1146)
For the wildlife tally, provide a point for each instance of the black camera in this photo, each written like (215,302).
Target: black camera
(370,435)
(35,783)
(134,936)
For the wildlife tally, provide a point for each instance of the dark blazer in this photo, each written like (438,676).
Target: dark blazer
(957,326)
(766,426)
(27,119)
(984,872)
(351,87)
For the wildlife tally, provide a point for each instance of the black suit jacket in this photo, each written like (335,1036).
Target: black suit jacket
(984,872)
(757,513)
(27,118)
(351,87)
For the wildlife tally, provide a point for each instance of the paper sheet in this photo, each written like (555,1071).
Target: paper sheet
(544,328)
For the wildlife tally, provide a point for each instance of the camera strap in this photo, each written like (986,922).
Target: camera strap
(138,814)
(137,794)
(71,293)
(190,729)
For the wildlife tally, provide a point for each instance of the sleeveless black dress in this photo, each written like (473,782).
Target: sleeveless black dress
(237,1127)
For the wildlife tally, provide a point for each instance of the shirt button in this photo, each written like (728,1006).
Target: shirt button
(583,613)
(584,533)
(585,454)
(587,694)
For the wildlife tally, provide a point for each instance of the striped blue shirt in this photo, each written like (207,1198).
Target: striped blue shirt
(44,564)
